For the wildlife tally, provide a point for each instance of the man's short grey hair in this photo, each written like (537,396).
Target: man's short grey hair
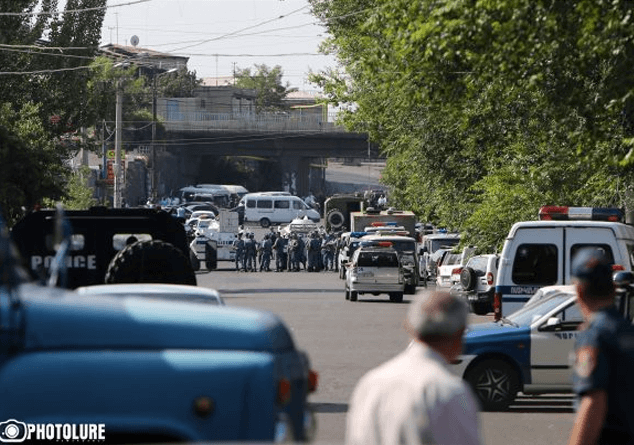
(437,314)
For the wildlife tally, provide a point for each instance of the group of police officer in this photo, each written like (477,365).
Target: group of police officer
(291,252)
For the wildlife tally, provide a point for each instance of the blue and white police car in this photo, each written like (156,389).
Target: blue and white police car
(527,352)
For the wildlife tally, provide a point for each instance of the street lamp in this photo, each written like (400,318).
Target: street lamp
(154,192)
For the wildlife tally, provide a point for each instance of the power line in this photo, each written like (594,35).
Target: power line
(98,8)
(243,29)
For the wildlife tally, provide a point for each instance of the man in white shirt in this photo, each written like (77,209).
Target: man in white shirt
(414,398)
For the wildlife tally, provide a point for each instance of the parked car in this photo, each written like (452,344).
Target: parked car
(375,269)
(477,282)
(450,262)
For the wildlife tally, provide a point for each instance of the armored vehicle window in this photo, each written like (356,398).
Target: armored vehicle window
(265,204)
(120,240)
(536,264)
(77,242)
(282,204)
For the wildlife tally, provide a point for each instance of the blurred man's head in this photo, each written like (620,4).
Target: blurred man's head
(592,274)
(438,320)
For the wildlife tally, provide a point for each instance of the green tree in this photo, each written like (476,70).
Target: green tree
(79,195)
(43,100)
(31,166)
(488,109)
(267,82)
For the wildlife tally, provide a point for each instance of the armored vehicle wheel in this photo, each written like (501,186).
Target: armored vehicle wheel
(396,297)
(150,262)
(353,296)
(335,218)
(410,289)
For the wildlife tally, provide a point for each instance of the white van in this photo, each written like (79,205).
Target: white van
(540,253)
(270,208)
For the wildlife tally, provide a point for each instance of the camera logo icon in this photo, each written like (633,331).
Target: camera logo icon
(12,431)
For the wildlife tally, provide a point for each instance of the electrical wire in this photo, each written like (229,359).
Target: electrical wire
(98,8)
(241,30)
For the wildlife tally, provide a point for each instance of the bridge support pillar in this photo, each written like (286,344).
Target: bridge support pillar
(302,175)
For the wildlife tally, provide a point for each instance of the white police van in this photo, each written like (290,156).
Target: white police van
(527,352)
(275,207)
(540,253)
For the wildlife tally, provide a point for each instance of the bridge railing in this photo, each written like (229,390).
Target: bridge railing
(275,122)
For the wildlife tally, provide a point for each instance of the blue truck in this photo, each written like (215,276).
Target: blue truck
(133,369)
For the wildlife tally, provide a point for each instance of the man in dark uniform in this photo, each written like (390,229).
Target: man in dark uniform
(604,357)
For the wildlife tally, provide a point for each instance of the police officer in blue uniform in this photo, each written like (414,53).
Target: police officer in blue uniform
(604,357)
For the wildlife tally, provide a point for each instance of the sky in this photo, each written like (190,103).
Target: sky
(218,35)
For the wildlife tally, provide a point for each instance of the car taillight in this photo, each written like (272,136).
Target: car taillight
(456,271)
(617,268)
(490,279)
(283,392)
(313,380)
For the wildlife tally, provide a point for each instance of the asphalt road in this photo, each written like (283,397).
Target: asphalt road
(344,340)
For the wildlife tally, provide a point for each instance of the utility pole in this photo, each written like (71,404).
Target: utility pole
(117,149)
(153,182)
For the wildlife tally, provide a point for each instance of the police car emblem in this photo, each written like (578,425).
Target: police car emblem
(586,361)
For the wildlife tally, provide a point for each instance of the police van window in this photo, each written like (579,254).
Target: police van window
(535,264)
(77,242)
(284,204)
(298,205)
(603,248)
(251,204)
(121,240)
(265,204)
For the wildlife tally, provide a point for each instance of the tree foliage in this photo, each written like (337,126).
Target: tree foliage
(267,82)
(488,109)
(43,94)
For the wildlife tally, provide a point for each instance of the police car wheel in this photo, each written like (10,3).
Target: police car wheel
(347,294)
(265,222)
(193,259)
(410,289)
(353,295)
(211,258)
(150,262)
(495,383)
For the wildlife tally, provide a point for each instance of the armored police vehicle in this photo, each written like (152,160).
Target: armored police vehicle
(108,246)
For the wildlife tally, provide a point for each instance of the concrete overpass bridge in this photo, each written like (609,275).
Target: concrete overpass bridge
(295,145)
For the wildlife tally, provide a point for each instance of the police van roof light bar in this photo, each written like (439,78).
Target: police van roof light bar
(564,213)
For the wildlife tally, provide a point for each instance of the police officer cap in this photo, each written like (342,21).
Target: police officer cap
(591,265)
(438,314)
